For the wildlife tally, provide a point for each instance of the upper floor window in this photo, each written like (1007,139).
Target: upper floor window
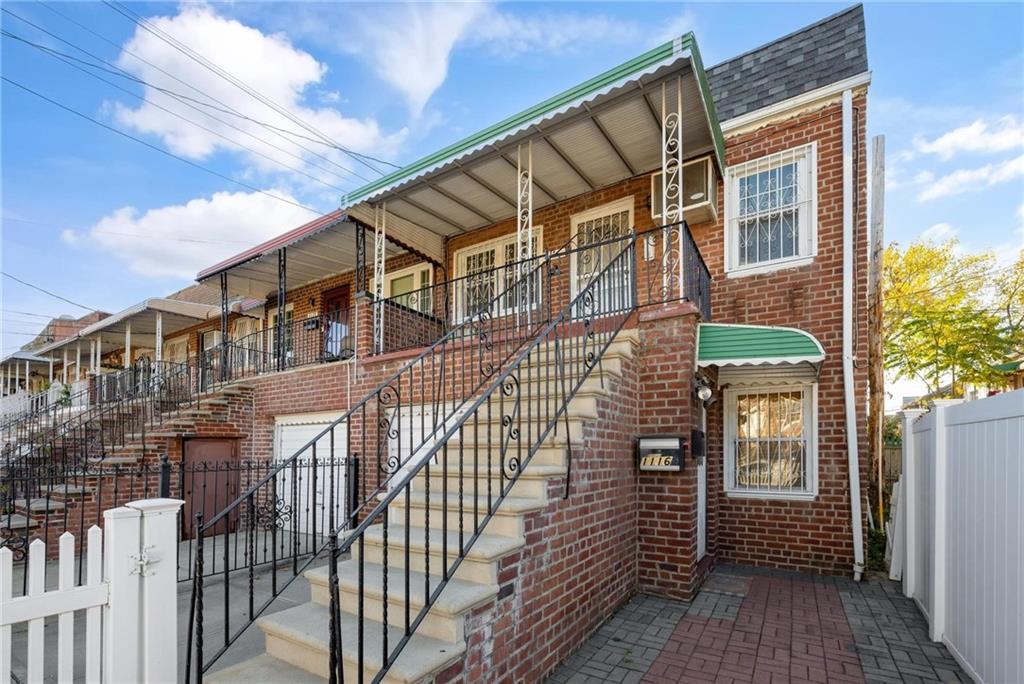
(489,269)
(771,211)
(409,287)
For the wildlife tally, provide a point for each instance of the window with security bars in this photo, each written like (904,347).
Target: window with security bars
(771,209)
(597,232)
(770,441)
(490,269)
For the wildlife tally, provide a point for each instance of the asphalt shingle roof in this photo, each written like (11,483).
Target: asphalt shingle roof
(830,50)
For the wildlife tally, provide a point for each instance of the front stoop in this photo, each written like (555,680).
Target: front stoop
(297,638)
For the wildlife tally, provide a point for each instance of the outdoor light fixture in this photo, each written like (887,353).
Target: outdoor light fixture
(704,392)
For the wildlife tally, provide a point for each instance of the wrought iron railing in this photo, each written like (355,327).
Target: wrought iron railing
(315,339)
(421,406)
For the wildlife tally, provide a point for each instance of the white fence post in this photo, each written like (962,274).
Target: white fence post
(909,503)
(121,615)
(940,502)
(159,571)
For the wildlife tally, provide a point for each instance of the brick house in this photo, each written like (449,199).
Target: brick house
(589,351)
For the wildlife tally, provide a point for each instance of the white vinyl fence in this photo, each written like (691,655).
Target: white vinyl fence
(961,534)
(128,600)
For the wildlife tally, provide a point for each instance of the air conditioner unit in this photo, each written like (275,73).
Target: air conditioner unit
(700,191)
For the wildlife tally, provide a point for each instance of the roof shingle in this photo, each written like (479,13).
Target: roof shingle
(827,51)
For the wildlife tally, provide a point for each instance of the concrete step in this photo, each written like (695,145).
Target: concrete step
(300,637)
(69,490)
(263,669)
(40,505)
(477,566)
(532,481)
(16,521)
(444,621)
(507,521)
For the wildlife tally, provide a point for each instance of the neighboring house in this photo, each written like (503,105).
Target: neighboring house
(533,292)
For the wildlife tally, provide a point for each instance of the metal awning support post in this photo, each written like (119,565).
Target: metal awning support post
(282,275)
(159,343)
(17,378)
(64,368)
(78,361)
(672,189)
(360,258)
(51,370)
(92,357)
(380,216)
(224,325)
(128,343)
(524,221)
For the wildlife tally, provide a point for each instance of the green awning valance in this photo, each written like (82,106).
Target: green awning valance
(1009,366)
(720,344)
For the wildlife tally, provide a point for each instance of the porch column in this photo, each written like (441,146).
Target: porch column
(92,357)
(360,258)
(51,370)
(28,375)
(78,360)
(128,343)
(524,221)
(379,247)
(672,189)
(282,276)
(64,368)
(224,325)
(17,373)
(99,354)
(159,352)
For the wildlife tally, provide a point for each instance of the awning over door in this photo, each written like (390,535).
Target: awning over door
(720,344)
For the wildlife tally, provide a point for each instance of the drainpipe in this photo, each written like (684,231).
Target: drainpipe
(850,396)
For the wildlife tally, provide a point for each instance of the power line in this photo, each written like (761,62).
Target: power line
(26,313)
(158,149)
(225,108)
(134,235)
(227,76)
(61,57)
(36,287)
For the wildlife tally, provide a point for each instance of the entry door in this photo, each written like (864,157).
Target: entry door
(702,490)
(304,489)
(210,481)
(336,343)
(605,228)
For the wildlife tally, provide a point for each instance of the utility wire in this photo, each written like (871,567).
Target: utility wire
(227,76)
(167,238)
(158,149)
(61,57)
(25,313)
(36,287)
(224,108)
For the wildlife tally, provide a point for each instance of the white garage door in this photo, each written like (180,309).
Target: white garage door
(305,486)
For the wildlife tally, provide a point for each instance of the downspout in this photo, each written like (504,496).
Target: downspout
(853,453)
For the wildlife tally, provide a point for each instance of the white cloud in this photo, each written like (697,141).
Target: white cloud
(410,45)
(1005,133)
(267,63)
(179,240)
(973,180)
(940,232)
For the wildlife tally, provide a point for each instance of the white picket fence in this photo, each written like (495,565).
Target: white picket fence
(128,599)
(960,534)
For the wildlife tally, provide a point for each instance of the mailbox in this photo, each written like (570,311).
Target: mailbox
(661,453)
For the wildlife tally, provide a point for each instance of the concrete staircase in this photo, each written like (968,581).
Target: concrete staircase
(297,639)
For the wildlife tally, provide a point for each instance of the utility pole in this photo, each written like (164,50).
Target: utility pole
(876,376)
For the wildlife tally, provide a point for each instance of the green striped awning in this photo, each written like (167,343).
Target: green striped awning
(1009,366)
(720,344)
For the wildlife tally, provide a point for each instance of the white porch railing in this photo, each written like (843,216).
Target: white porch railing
(129,599)
(961,529)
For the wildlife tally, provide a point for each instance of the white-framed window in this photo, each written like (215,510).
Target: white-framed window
(600,227)
(289,319)
(771,211)
(771,441)
(485,270)
(409,287)
(176,350)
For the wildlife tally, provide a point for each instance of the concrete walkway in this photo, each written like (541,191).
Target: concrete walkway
(751,625)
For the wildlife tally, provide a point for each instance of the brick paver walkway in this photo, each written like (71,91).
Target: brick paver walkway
(749,625)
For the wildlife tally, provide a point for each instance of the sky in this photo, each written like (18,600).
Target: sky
(106,221)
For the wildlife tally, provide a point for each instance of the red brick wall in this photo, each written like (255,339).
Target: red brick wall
(813,536)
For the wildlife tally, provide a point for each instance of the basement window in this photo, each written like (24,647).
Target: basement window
(771,441)
(771,212)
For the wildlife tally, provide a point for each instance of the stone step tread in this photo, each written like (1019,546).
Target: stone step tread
(263,669)
(538,471)
(487,547)
(40,505)
(16,521)
(458,596)
(69,489)
(510,505)
(309,625)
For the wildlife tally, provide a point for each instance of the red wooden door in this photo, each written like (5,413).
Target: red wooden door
(210,481)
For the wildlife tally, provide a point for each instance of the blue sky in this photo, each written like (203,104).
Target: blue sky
(105,221)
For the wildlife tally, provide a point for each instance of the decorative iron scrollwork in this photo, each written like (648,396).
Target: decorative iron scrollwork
(17,543)
(510,423)
(389,400)
(273,513)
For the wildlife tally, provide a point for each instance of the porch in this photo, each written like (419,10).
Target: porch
(755,625)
